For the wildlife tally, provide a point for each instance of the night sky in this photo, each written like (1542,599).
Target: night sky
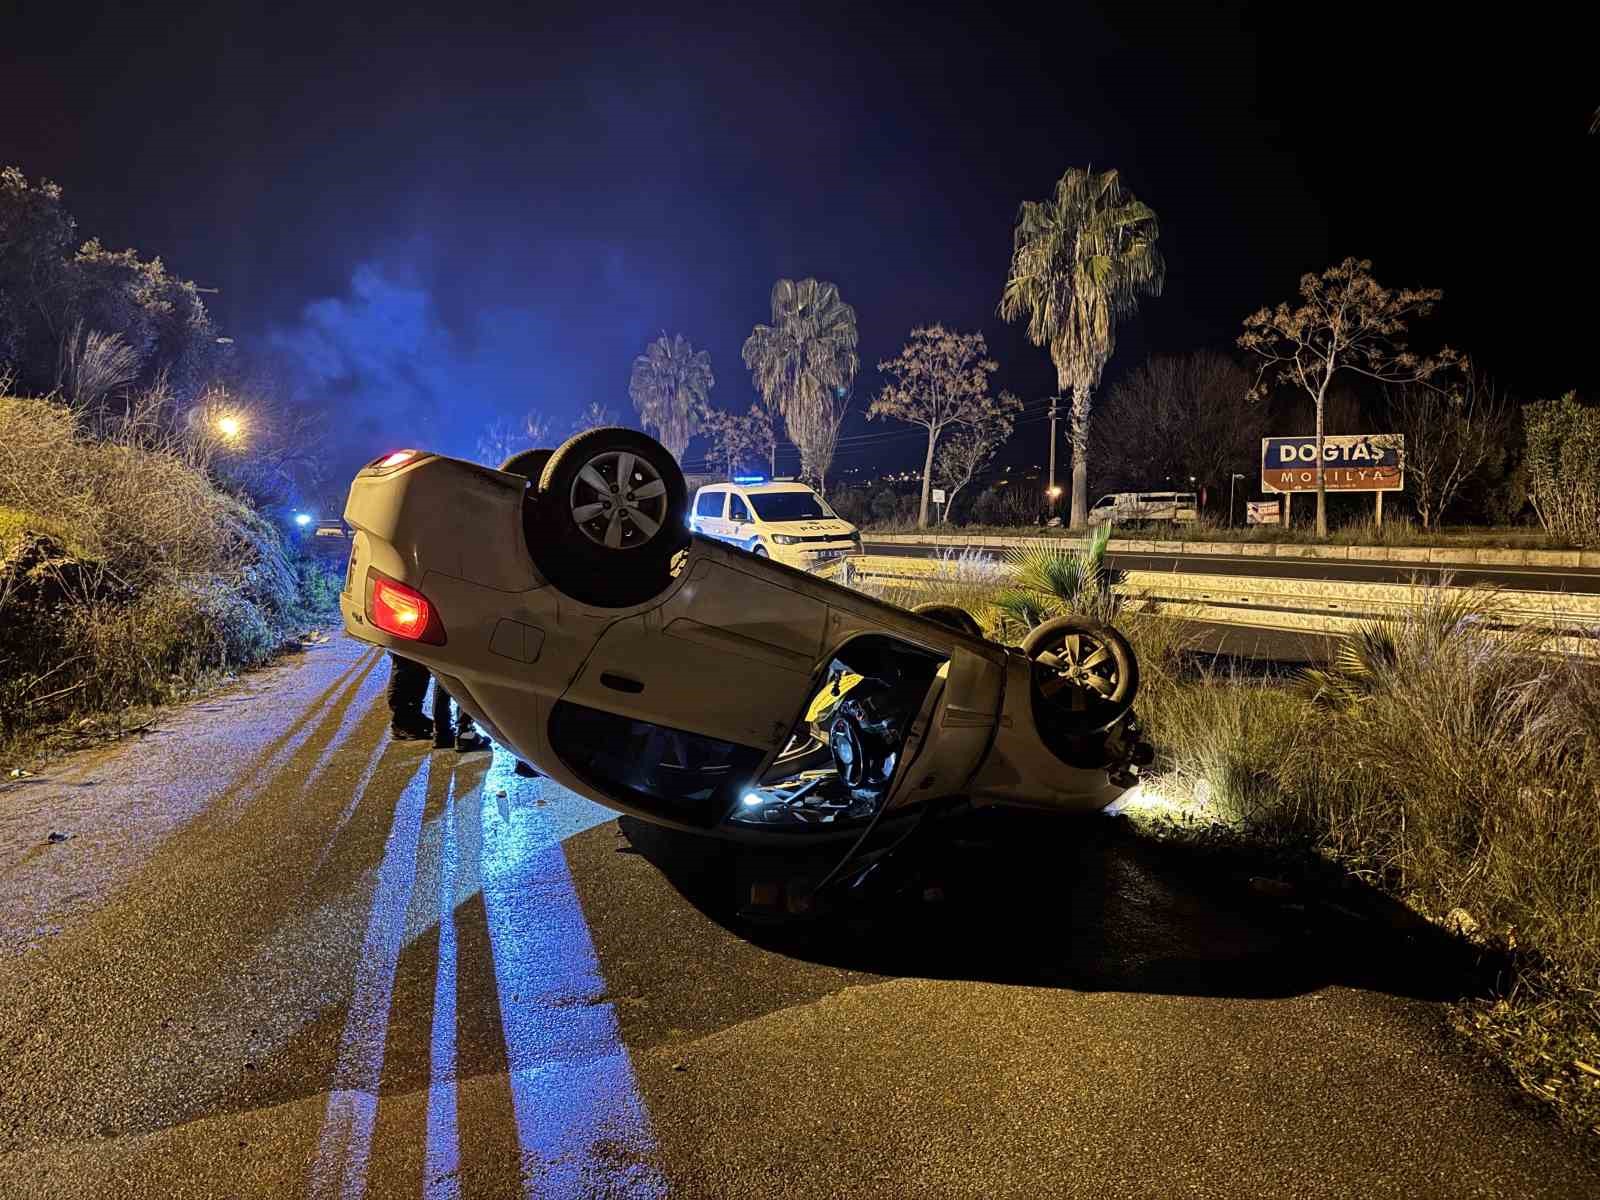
(436,218)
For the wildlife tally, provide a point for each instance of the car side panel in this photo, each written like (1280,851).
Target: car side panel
(730,654)
(1021,770)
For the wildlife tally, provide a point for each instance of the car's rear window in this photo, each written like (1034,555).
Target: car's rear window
(790,506)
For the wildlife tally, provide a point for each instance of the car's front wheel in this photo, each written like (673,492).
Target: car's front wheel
(609,517)
(1085,673)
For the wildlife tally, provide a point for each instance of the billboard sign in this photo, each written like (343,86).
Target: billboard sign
(1364,462)
(1261,512)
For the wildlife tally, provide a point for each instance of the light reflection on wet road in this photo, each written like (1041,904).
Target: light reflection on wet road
(571,1081)
(340,1169)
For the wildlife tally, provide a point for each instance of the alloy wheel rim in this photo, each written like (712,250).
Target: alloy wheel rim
(618,500)
(1084,667)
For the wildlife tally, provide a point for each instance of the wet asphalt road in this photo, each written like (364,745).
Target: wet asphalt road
(280,955)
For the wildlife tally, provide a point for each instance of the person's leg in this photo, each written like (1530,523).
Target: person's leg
(444,730)
(408,684)
(463,734)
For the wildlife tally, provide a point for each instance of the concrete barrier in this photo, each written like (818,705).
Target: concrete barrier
(1420,555)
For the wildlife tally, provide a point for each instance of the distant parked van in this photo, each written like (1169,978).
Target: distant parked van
(1120,507)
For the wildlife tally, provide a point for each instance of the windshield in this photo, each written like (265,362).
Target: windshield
(790,506)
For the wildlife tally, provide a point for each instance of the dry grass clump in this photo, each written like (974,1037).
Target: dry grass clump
(1460,769)
(125,573)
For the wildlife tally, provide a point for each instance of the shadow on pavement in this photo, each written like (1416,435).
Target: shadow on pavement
(1089,904)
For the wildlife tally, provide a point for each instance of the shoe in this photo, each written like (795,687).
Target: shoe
(526,770)
(410,727)
(472,741)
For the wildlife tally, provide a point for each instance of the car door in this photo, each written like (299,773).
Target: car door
(730,655)
(708,509)
(741,525)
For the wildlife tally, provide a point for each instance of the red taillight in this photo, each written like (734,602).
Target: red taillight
(404,612)
(390,462)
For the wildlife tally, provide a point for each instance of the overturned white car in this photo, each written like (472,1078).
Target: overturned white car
(565,604)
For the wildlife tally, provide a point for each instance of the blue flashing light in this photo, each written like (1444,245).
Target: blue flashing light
(752,799)
(302,520)
(749,478)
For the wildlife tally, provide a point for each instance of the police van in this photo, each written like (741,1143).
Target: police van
(779,519)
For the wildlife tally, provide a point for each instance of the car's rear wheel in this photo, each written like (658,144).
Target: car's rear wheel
(528,463)
(952,615)
(609,517)
(1085,673)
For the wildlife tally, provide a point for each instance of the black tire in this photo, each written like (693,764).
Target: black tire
(760,552)
(1085,678)
(621,554)
(528,463)
(952,615)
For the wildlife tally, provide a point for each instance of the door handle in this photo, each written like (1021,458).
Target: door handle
(621,683)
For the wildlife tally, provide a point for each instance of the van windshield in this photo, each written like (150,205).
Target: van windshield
(790,506)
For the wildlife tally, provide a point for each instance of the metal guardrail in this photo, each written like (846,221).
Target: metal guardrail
(1317,606)
(1418,555)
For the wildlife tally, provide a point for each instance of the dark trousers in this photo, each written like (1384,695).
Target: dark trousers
(408,687)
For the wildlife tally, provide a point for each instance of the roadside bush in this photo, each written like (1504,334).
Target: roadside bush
(125,574)
(851,504)
(1007,506)
(1562,461)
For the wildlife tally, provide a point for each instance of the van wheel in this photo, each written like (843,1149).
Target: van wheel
(610,516)
(528,463)
(952,615)
(1085,674)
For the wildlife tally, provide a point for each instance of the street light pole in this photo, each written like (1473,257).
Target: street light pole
(1051,491)
(1236,477)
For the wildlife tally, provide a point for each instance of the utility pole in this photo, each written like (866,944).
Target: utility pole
(1052,493)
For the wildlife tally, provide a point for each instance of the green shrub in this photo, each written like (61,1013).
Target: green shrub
(1562,461)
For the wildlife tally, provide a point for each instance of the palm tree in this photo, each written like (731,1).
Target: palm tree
(1080,261)
(804,363)
(669,386)
(1051,579)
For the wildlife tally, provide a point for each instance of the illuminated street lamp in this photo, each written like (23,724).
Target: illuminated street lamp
(230,427)
(302,520)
